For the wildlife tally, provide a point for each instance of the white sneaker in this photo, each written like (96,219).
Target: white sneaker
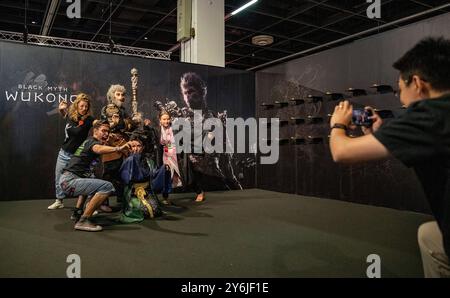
(86,225)
(58,204)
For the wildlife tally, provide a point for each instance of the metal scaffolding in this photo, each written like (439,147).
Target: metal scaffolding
(83,45)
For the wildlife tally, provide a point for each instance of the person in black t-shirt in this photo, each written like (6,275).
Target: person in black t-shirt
(78,124)
(420,138)
(76,178)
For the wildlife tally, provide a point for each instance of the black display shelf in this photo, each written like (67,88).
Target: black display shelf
(268,105)
(357,92)
(314,98)
(298,140)
(314,140)
(282,103)
(297,101)
(283,122)
(298,120)
(284,141)
(314,120)
(335,96)
(383,89)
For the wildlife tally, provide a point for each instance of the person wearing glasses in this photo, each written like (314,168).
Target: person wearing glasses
(419,138)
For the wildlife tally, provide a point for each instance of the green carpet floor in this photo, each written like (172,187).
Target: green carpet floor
(238,234)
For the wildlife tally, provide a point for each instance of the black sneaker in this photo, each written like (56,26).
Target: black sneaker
(86,225)
(76,214)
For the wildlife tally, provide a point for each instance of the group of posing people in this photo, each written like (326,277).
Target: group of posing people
(119,142)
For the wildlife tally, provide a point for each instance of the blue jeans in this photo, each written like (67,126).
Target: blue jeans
(61,162)
(162,182)
(75,186)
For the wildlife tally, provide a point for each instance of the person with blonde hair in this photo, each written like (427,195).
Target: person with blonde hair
(78,124)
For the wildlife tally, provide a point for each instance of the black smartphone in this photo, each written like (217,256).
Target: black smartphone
(361,117)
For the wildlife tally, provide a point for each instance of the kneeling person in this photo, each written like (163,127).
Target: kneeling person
(76,181)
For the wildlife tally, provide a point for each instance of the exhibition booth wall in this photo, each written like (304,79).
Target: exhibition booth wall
(304,92)
(35,79)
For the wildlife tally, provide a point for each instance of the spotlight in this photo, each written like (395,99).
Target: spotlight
(243,7)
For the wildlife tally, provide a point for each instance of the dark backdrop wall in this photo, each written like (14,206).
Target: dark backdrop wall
(34,79)
(306,167)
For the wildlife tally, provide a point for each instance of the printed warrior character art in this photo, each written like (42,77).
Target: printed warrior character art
(212,166)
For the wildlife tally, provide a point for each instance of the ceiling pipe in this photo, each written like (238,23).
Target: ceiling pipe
(47,25)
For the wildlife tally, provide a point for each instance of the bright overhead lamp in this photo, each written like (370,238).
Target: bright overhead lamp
(243,7)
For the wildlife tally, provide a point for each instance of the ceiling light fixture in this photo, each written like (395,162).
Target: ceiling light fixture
(243,7)
(262,40)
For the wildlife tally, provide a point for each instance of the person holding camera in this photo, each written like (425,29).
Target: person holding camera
(419,138)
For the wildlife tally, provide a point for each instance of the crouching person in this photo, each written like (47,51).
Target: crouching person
(76,181)
(139,174)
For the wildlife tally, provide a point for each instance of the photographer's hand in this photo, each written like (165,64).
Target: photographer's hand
(377,122)
(342,114)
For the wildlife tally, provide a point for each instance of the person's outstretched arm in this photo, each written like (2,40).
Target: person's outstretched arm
(351,150)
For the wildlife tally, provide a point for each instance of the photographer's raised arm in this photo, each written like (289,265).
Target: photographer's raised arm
(102,149)
(352,150)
